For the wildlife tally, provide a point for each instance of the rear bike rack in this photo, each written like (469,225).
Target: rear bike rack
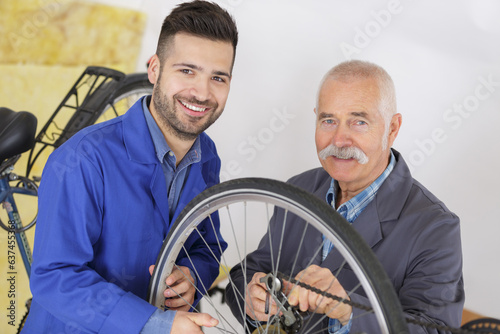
(80,108)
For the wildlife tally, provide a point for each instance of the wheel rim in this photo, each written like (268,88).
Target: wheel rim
(225,197)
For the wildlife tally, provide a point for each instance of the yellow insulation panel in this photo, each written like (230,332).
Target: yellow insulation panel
(69,33)
(45,46)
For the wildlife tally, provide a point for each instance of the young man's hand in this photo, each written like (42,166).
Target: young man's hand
(187,322)
(180,283)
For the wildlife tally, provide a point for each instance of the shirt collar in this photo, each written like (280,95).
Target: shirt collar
(351,209)
(160,144)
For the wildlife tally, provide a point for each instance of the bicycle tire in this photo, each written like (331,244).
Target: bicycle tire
(115,101)
(483,325)
(315,212)
(25,316)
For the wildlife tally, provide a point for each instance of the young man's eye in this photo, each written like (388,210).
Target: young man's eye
(186,71)
(219,79)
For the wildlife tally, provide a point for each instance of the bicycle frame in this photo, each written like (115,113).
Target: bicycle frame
(7,199)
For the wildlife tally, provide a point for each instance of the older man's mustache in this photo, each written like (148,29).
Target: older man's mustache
(344,153)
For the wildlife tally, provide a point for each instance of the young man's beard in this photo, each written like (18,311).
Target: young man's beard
(169,119)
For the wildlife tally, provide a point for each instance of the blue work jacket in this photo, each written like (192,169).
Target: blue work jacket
(103,216)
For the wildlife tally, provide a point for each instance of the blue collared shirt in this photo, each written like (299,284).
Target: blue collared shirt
(174,176)
(350,210)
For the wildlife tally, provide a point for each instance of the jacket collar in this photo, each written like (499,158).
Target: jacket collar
(392,195)
(387,204)
(138,142)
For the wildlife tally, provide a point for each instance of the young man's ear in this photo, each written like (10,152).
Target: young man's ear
(154,69)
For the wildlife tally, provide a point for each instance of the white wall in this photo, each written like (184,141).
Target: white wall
(441,54)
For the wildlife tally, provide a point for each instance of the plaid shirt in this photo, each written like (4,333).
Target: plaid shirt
(350,210)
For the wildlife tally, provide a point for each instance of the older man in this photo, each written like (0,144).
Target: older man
(413,234)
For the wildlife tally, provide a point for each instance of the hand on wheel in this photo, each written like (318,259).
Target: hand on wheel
(187,322)
(181,284)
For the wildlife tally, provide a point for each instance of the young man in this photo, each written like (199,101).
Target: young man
(412,233)
(109,196)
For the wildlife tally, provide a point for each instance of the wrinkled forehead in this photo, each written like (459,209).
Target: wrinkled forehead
(349,93)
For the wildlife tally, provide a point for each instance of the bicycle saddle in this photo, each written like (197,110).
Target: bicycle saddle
(17,132)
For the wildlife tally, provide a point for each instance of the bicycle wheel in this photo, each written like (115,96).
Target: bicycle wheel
(23,190)
(133,87)
(244,206)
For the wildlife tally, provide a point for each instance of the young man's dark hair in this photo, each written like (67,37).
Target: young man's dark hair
(199,18)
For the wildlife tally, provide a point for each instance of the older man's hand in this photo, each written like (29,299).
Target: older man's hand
(324,280)
(256,300)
